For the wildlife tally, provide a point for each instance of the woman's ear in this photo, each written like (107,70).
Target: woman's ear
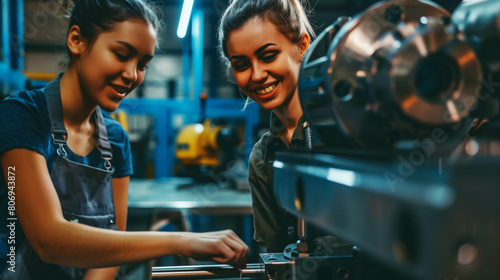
(304,43)
(76,43)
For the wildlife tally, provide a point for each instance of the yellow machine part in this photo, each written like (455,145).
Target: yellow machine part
(197,144)
(41,76)
(121,117)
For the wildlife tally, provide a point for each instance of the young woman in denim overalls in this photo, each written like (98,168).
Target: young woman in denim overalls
(66,164)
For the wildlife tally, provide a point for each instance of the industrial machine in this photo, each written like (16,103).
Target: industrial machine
(200,144)
(204,149)
(414,186)
(405,98)
(197,144)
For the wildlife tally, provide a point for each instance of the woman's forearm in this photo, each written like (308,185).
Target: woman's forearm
(82,246)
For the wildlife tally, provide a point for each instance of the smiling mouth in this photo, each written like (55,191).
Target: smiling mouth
(119,89)
(266,90)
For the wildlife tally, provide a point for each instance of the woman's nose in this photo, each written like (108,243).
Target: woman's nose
(129,74)
(259,73)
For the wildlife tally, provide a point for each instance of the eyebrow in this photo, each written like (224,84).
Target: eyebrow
(259,50)
(132,49)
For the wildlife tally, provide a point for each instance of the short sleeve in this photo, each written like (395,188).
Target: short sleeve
(23,123)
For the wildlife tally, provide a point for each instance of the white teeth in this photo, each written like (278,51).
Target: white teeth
(266,90)
(120,90)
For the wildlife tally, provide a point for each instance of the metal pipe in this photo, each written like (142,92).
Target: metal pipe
(197,33)
(216,271)
(186,66)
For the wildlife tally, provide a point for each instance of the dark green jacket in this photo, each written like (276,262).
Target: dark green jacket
(271,221)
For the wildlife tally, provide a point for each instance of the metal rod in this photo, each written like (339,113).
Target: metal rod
(301,231)
(301,223)
(219,271)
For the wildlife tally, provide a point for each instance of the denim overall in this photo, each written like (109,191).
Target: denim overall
(85,193)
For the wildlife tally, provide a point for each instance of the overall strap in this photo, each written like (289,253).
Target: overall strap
(103,143)
(58,131)
(54,106)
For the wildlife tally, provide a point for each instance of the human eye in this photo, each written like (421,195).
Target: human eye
(121,56)
(240,66)
(142,66)
(269,57)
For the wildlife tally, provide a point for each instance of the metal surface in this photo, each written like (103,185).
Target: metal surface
(391,73)
(180,194)
(309,268)
(215,271)
(427,216)
(479,19)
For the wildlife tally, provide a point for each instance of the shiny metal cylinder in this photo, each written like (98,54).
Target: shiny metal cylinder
(393,73)
(215,271)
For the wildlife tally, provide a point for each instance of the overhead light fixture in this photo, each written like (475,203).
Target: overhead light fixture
(187,6)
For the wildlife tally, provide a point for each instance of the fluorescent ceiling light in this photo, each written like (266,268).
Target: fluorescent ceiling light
(187,6)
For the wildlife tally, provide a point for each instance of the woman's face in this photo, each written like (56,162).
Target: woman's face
(265,62)
(115,64)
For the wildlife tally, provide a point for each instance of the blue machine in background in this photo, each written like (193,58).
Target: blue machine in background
(11,47)
(169,115)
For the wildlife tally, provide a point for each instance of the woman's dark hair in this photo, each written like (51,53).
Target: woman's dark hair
(289,16)
(96,16)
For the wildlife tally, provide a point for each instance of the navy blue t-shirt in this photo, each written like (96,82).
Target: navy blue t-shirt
(25,123)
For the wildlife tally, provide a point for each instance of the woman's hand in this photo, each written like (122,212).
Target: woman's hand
(220,246)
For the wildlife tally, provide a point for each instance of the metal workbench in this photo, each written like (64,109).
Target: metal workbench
(183,194)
